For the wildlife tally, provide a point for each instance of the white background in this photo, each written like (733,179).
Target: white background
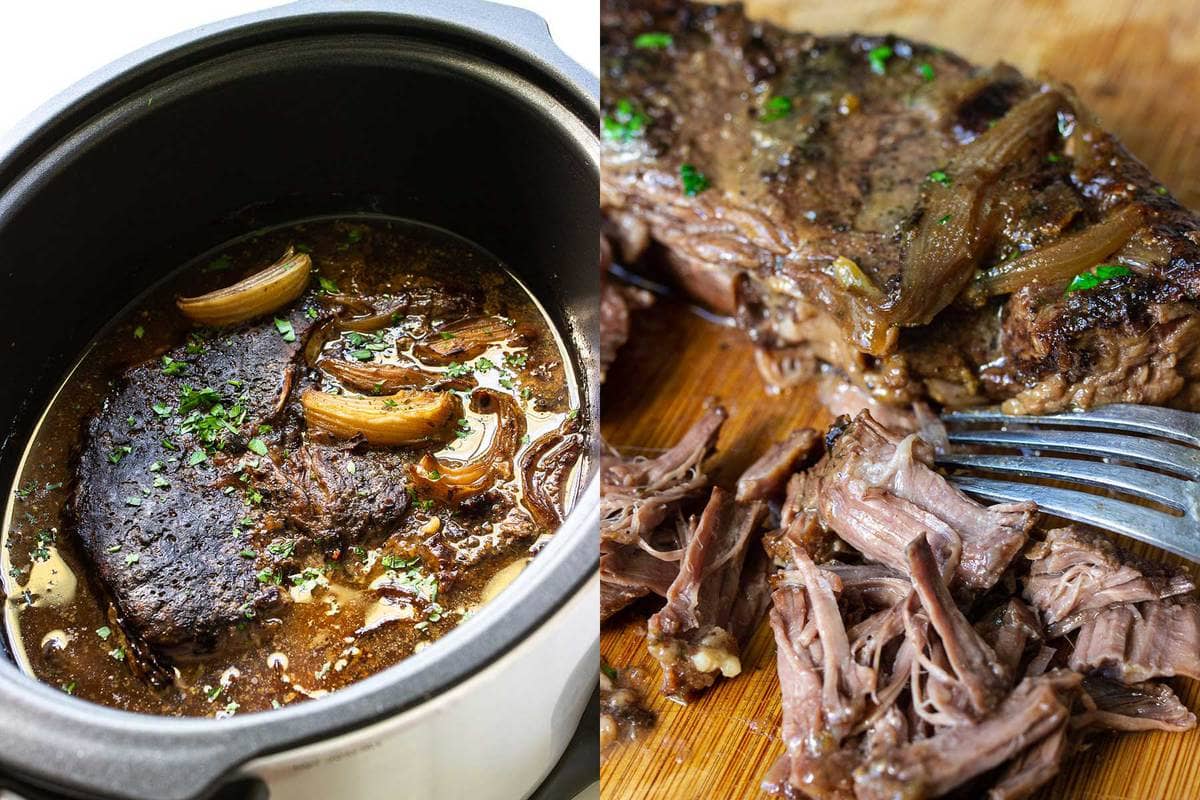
(47,45)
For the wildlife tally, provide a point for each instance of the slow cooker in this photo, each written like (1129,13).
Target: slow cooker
(462,114)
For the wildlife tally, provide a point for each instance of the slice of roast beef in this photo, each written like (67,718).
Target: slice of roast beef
(768,475)
(1134,642)
(879,492)
(1116,706)
(1076,572)
(930,767)
(692,635)
(160,511)
(893,210)
(1009,630)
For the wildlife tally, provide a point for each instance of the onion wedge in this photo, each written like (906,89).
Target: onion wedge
(455,481)
(402,418)
(387,378)
(465,340)
(261,293)
(1066,258)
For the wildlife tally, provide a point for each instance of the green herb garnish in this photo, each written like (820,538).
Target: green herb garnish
(1093,278)
(939,176)
(925,71)
(775,108)
(625,124)
(172,367)
(653,40)
(285,329)
(878,58)
(694,181)
(257,446)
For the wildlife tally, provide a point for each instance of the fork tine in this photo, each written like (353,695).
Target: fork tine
(1170,423)
(1150,452)
(1173,534)
(1142,483)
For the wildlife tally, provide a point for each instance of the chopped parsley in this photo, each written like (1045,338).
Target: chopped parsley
(139,332)
(328,286)
(1093,278)
(878,58)
(117,453)
(172,367)
(625,124)
(69,688)
(1160,190)
(161,483)
(410,577)
(257,446)
(269,576)
(45,540)
(246,552)
(104,632)
(25,491)
(939,176)
(1053,158)
(515,360)
(354,236)
(483,364)
(776,107)
(190,399)
(942,220)
(457,370)
(653,40)
(282,548)
(694,181)
(162,409)
(285,329)
(117,654)
(925,71)
(463,429)
(196,457)
(132,558)
(133,501)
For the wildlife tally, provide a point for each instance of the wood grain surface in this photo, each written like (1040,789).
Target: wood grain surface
(1138,66)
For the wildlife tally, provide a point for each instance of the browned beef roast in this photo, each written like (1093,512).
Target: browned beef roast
(616,305)
(889,208)
(180,517)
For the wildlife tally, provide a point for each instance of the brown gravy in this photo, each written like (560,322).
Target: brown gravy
(64,628)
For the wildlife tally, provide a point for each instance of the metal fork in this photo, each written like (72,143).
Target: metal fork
(1175,450)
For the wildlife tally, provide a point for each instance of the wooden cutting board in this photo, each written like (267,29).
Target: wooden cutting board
(1138,66)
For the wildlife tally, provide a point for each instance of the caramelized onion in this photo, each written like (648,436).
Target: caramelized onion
(465,340)
(545,467)
(388,378)
(455,481)
(956,228)
(1064,258)
(402,418)
(261,293)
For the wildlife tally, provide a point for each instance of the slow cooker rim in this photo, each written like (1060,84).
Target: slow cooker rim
(362,703)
